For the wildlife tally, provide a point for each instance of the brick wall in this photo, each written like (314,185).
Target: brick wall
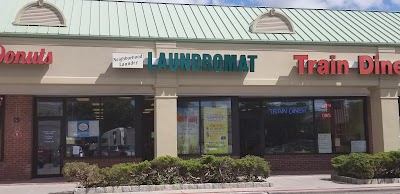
(300,162)
(18,139)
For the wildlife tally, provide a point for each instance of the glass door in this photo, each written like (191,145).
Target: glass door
(48,160)
(250,125)
(48,133)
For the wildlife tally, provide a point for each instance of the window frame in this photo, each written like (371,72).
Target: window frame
(235,113)
(313,98)
(264,112)
(234,123)
(138,123)
(2,125)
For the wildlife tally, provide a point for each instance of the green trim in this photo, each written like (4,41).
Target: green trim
(324,43)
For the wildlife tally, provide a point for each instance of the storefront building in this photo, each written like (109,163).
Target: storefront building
(107,82)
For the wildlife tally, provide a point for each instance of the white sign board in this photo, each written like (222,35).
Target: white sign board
(358,146)
(127,60)
(325,143)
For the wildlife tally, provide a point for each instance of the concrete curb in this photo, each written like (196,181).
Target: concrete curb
(147,188)
(364,181)
(332,191)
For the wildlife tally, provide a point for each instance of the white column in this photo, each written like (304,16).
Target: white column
(385,119)
(165,121)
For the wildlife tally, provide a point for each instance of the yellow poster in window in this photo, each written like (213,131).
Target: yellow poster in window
(216,130)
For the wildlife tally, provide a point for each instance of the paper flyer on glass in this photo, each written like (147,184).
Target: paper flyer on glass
(216,130)
(188,131)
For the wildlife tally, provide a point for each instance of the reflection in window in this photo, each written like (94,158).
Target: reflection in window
(83,118)
(48,154)
(188,127)
(344,120)
(288,126)
(49,108)
(118,127)
(100,127)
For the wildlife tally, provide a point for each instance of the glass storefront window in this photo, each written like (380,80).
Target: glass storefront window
(83,127)
(49,108)
(343,120)
(117,129)
(213,135)
(101,127)
(288,126)
(188,127)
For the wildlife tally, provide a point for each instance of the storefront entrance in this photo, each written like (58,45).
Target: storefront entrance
(251,136)
(91,129)
(48,158)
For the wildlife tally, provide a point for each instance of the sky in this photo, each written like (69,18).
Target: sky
(382,5)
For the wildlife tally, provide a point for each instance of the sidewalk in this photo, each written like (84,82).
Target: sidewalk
(282,184)
(38,186)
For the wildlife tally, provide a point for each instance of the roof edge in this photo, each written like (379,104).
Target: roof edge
(256,42)
(238,5)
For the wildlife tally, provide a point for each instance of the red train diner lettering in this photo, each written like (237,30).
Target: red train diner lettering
(22,57)
(366,65)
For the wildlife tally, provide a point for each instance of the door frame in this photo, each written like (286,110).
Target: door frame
(62,140)
(259,116)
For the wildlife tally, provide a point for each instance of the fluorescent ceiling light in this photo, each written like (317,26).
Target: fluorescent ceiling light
(149,98)
(127,98)
(83,99)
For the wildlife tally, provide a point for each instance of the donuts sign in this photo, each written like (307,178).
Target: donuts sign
(21,57)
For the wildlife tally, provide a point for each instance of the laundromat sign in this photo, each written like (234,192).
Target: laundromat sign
(23,57)
(365,64)
(187,62)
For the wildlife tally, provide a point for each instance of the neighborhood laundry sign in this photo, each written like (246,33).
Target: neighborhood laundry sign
(187,62)
(126,60)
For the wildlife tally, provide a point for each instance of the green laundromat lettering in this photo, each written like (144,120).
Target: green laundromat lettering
(196,62)
(205,62)
(150,65)
(162,62)
(173,61)
(243,64)
(218,62)
(185,62)
(230,63)
(207,65)
(252,61)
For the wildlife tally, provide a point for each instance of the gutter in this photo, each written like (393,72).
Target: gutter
(194,40)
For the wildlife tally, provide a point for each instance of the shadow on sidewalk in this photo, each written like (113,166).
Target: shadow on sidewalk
(334,181)
(63,192)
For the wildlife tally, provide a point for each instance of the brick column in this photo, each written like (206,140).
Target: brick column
(18,138)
